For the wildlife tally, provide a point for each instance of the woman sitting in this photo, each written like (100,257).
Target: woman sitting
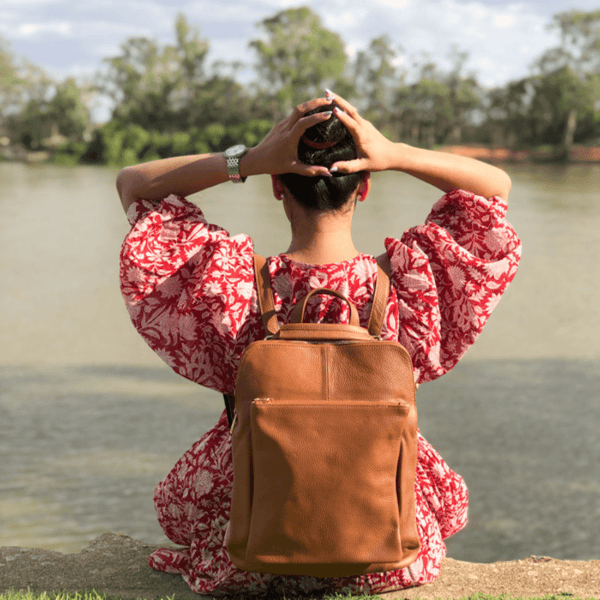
(190,291)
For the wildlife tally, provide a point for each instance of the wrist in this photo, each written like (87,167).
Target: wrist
(399,156)
(250,164)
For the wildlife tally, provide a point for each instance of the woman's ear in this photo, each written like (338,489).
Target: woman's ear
(364,187)
(277,187)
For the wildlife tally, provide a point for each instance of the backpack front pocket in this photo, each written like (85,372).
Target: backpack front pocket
(324,489)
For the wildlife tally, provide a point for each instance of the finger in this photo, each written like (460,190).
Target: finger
(349,166)
(307,122)
(302,109)
(312,170)
(350,122)
(345,106)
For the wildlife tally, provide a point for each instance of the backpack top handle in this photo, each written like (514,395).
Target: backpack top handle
(297,315)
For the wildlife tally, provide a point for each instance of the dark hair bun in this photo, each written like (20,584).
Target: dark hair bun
(324,193)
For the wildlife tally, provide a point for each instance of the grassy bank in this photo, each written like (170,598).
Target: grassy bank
(93,595)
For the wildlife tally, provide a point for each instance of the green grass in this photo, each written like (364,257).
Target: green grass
(94,595)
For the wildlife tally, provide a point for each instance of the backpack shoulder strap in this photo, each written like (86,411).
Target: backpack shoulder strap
(266,301)
(380,296)
(266,304)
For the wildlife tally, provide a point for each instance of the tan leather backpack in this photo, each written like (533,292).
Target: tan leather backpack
(324,442)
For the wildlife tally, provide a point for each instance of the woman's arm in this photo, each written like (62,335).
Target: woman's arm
(445,171)
(185,175)
(450,172)
(180,175)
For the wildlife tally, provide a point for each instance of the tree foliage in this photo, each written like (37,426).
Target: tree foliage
(21,82)
(45,121)
(567,79)
(579,46)
(376,78)
(298,58)
(169,99)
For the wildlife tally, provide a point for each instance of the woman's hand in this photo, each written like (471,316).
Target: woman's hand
(278,152)
(373,148)
(445,171)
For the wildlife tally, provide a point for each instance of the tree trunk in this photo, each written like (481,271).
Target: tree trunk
(570,132)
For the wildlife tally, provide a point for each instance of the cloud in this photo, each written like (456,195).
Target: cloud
(62,28)
(502,39)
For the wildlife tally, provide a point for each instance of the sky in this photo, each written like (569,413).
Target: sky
(503,38)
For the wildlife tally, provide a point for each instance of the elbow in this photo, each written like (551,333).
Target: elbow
(123,181)
(504,186)
(126,182)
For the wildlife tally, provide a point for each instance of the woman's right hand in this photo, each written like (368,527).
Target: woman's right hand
(373,148)
(278,152)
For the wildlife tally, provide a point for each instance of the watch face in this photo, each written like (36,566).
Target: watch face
(235,150)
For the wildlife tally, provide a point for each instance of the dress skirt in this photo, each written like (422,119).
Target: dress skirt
(193,505)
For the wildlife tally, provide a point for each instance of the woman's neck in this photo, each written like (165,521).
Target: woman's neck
(320,238)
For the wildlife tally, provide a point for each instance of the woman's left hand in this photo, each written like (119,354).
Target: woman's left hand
(278,152)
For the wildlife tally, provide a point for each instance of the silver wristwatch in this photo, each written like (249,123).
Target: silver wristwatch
(233,155)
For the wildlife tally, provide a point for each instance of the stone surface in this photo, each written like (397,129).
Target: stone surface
(117,565)
(112,564)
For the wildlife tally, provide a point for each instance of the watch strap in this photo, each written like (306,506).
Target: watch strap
(233,168)
(233,164)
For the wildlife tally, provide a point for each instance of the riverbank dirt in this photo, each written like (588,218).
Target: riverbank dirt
(117,565)
(577,154)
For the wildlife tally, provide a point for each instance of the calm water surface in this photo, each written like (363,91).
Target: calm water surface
(91,419)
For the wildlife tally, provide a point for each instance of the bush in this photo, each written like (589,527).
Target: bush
(116,145)
(70,153)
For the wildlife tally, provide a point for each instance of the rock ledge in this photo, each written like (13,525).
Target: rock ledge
(117,565)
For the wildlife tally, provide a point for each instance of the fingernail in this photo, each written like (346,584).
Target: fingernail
(327,174)
(327,114)
(333,170)
(328,93)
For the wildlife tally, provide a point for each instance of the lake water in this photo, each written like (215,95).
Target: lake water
(91,419)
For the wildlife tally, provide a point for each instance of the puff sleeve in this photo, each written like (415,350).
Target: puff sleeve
(188,287)
(449,274)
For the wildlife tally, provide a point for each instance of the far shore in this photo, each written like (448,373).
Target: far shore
(579,153)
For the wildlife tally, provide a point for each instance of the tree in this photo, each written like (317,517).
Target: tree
(298,58)
(171,87)
(560,99)
(431,99)
(141,81)
(507,113)
(150,84)
(21,82)
(7,68)
(376,80)
(67,111)
(8,81)
(580,43)
(64,114)
(465,93)
(573,66)
(436,107)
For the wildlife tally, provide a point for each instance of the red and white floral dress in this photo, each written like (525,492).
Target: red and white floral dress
(189,288)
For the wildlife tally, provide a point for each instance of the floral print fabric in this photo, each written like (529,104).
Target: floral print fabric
(189,288)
